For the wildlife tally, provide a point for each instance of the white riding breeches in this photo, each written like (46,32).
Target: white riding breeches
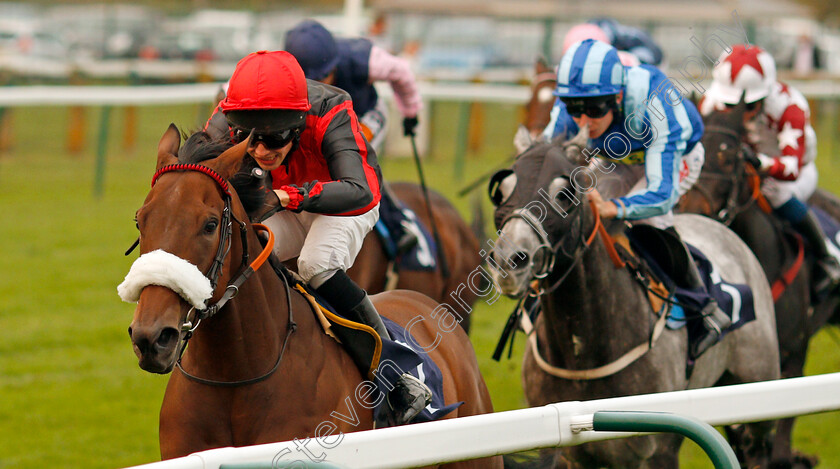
(626,178)
(778,192)
(323,243)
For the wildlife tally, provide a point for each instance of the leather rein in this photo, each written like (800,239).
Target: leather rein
(215,270)
(732,208)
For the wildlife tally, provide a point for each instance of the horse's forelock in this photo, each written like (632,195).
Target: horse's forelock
(200,146)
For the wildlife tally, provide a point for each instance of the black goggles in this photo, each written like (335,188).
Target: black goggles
(271,140)
(748,106)
(594,108)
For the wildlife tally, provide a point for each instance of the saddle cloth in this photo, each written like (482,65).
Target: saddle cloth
(422,256)
(387,359)
(831,228)
(736,300)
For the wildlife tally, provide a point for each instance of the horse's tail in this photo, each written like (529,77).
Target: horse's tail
(544,460)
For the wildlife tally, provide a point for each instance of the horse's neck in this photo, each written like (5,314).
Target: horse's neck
(249,330)
(598,309)
(764,236)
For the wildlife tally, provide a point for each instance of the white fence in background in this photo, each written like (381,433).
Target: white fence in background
(561,424)
(41,95)
(19,96)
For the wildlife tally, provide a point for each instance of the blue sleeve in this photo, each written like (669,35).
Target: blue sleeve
(671,120)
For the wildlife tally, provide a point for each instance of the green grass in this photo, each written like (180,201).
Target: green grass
(71,394)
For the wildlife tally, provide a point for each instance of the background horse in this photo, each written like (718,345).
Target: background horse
(593,313)
(538,109)
(460,252)
(728,191)
(275,374)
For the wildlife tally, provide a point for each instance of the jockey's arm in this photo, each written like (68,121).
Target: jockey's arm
(660,194)
(355,187)
(792,130)
(662,162)
(397,71)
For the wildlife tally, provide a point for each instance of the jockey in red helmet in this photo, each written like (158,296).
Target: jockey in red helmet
(354,65)
(325,175)
(791,174)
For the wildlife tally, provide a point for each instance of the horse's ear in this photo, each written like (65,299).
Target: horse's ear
(574,147)
(541,65)
(168,147)
(228,163)
(522,140)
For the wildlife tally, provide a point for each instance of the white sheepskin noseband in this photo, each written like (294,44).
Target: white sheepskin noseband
(167,270)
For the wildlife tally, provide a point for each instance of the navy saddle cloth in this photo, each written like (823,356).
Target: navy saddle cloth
(831,229)
(422,256)
(736,300)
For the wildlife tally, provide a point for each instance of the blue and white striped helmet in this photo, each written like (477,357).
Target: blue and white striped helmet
(590,68)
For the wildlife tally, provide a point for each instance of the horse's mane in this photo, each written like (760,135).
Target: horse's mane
(200,146)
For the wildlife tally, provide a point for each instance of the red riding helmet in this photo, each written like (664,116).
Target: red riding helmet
(267,92)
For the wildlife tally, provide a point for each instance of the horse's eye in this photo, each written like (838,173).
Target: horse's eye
(501,186)
(210,226)
(561,191)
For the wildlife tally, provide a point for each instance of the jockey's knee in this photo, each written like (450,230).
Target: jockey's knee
(320,278)
(316,269)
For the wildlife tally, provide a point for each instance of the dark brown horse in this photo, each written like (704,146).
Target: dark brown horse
(262,368)
(728,191)
(596,317)
(451,281)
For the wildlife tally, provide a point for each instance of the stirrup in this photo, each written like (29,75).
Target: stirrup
(411,396)
(715,321)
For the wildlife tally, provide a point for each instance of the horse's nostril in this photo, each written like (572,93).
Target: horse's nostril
(167,337)
(129,332)
(519,260)
(142,345)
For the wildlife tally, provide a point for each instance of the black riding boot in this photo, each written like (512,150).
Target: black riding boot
(826,269)
(715,321)
(391,214)
(410,395)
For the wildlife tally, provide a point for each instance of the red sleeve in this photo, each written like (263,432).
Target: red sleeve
(791,134)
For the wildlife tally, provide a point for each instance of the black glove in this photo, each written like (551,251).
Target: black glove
(253,184)
(409,126)
(750,156)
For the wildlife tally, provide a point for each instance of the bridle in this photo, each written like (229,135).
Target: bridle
(215,270)
(572,255)
(528,327)
(732,208)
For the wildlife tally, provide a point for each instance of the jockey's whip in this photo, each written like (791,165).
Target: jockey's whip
(444,267)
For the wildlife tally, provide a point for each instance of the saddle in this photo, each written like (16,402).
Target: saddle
(382,361)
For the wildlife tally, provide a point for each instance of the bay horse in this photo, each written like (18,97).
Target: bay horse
(450,282)
(538,108)
(595,315)
(259,367)
(728,190)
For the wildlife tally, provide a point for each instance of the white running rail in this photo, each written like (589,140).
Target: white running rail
(561,424)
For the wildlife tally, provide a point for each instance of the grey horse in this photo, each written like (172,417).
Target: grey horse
(593,313)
